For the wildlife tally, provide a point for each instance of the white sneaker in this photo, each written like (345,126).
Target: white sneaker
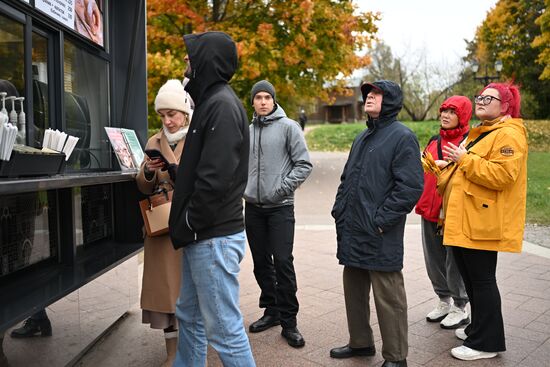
(456,317)
(461,333)
(439,313)
(469,354)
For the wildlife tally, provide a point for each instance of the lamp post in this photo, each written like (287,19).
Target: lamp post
(487,78)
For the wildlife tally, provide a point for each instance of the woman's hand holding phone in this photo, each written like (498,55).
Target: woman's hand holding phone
(154,164)
(155,160)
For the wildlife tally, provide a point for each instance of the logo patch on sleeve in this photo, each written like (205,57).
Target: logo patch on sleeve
(507,151)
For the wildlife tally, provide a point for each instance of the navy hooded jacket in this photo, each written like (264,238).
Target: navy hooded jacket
(381,183)
(213,169)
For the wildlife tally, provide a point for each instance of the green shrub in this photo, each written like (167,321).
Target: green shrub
(151,132)
(538,135)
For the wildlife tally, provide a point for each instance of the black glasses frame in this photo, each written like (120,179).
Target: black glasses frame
(485,100)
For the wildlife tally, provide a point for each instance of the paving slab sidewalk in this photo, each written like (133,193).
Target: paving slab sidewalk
(524,282)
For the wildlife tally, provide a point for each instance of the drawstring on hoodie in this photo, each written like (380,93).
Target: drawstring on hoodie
(258,119)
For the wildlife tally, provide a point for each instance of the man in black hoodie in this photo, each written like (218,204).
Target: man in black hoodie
(381,183)
(206,218)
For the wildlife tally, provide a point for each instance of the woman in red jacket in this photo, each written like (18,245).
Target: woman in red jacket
(455,114)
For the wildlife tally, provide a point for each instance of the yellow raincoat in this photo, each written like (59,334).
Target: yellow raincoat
(485,207)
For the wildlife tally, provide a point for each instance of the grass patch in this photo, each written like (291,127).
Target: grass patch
(338,138)
(538,188)
(333,138)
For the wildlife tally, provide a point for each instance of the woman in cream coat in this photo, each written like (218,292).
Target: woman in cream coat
(162,264)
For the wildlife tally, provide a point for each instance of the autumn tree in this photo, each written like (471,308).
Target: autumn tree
(509,33)
(542,42)
(425,85)
(298,45)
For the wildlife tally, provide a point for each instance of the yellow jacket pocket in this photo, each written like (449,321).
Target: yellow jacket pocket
(482,216)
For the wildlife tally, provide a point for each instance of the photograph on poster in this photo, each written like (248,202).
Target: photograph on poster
(88,20)
(84,16)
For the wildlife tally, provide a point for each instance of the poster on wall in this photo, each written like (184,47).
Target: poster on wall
(89,19)
(84,16)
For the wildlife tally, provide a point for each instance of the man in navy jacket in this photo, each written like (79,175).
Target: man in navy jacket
(381,183)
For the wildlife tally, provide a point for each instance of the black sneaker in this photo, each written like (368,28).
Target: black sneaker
(32,328)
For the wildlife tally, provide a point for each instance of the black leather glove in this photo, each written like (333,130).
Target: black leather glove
(172,171)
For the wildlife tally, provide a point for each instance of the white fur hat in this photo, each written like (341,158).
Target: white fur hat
(172,96)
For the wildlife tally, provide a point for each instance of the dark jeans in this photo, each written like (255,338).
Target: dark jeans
(478,270)
(270,233)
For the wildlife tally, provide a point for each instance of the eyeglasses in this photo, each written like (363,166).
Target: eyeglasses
(484,100)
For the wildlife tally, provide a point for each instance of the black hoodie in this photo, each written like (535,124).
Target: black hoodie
(381,183)
(213,169)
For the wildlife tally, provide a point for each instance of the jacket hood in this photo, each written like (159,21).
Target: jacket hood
(462,107)
(516,123)
(213,59)
(392,101)
(278,113)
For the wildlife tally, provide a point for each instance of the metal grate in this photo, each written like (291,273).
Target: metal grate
(28,230)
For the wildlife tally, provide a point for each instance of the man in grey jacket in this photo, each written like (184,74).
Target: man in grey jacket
(278,163)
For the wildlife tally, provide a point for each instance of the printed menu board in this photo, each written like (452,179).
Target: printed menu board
(60,10)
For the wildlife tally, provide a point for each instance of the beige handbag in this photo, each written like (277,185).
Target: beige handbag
(155,211)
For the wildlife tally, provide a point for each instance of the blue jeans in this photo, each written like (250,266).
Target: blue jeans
(208,305)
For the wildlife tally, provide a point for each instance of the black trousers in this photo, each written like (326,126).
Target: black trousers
(478,270)
(270,233)
(40,315)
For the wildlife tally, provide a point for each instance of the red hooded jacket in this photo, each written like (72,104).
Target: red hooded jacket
(429,204)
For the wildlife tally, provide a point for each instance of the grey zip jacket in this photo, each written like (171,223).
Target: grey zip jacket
(278,162)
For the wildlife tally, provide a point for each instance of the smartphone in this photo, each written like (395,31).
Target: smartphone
(156,154)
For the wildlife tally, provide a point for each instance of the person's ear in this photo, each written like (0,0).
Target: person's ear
(504,107)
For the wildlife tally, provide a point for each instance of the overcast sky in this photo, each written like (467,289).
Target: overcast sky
(438,26)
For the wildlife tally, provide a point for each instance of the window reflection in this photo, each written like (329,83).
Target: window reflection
(86,107)
(11,53)
(28,233)
(40,87)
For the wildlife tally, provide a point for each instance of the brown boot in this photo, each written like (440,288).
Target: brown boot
(171,348)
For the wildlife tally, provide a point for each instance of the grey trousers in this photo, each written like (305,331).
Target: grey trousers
(441,266)
(391,307)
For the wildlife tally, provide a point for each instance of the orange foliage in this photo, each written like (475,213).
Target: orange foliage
(299,45)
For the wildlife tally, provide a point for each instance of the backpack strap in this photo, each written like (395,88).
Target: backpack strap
(438,138)
(481,136)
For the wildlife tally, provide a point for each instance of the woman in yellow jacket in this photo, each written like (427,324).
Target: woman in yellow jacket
(485,211)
